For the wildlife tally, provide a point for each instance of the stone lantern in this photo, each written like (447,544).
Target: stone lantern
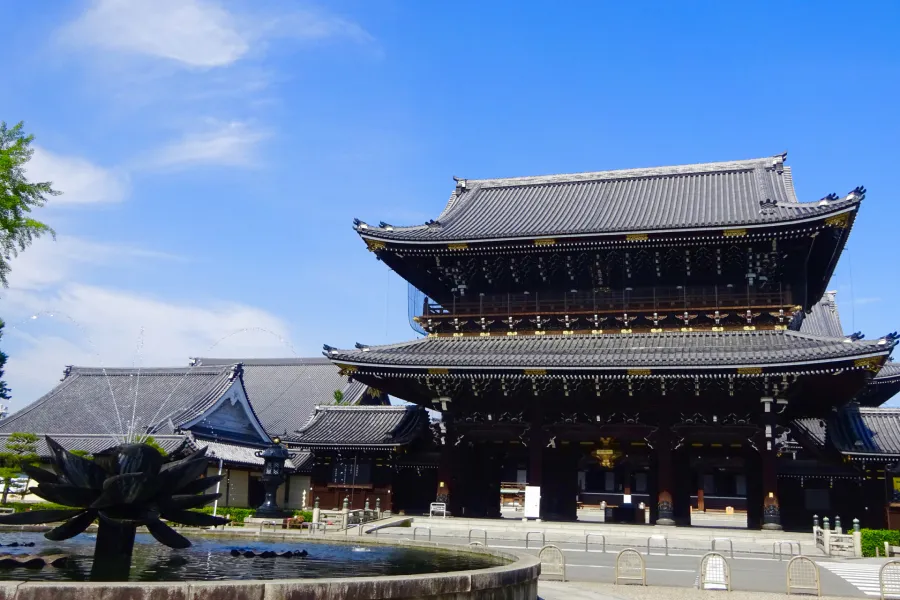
(274,458)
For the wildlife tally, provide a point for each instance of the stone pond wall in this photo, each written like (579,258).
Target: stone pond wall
(514,581)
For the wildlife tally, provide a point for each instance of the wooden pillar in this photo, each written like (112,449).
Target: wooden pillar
(448,473)
(701,503)
(665,507)
(771,506)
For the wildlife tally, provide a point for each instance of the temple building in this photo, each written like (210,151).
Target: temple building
(660,336)
(231,407)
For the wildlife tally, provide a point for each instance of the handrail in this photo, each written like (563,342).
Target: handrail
(895,564)
(642,578)
(790,545)
(724,539)
(587,539)
(530,533)
(658,537)
(263,524)
(315,525)
(416,529)
(704,571)
(484,531)
(358,527)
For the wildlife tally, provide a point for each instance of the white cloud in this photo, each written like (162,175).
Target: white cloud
(48,262)
(231,144)
(192,32)
(95,325)
(108,333)
(79,180)
(197,33)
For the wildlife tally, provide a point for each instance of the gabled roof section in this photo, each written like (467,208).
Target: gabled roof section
(98,442)
(108,401)
(823,319)
(671,350)
(881,388)
(862,432)
(361,426)
(743,193)
(285,391)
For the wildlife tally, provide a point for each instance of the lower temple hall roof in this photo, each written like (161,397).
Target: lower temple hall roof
(284,392)
(361,426)
(613,351)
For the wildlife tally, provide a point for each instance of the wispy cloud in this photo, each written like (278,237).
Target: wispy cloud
(55,319)
(199,34)
(231,144)
(49,262)
(194,33)
(79,180)
(864,301)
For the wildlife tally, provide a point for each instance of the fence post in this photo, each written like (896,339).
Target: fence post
(316,512)
(815,521)
(826,524)
(378,507)
(367,505)
(837,525)
(826,539)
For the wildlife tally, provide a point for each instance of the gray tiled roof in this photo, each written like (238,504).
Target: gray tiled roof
(93,443)
(347,426)
(284,392)
(861,430)
(617,351)
(824,319)
(890,371)
(708,195)
(814,429)
(86,400)
(235,454)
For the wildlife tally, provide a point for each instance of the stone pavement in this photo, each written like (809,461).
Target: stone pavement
(581,590)
(617,535)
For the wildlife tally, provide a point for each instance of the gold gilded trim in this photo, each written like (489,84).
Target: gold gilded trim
(638,371)
(637,237)
(535,371)
(375,245)
(872,363)
(346,369)
(749,370)
(545,242)
(734,232)
(457,246)
(438,371)
(840,221)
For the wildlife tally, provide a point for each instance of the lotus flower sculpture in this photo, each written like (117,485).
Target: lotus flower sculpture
(124,487)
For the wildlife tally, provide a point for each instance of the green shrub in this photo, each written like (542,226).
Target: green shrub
(237,514)
(23,506)
(875,538)
(306,514)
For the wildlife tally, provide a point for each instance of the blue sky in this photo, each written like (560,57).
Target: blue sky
(213,154)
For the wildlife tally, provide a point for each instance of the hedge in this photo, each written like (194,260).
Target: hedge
(238,515)
(24,506)
(873,539)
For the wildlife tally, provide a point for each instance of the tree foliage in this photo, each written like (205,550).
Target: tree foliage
(18,196)
(4,390)
(21,450)
(338,397)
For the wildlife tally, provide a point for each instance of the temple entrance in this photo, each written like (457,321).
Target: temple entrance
(718,492)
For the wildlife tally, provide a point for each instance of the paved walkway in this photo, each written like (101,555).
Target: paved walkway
(581,590)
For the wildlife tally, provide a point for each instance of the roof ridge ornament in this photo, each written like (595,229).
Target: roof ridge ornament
(767,206)
(855,337)
(857,193)
(832,197)
(462,185)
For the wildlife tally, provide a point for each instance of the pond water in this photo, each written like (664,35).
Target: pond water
(210,559)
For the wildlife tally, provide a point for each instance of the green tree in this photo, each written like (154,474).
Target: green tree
(4,390)
(18,196)
(338,397)
(21,450)
(154,444)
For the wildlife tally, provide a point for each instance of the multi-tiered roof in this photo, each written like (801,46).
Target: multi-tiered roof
(688,273)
